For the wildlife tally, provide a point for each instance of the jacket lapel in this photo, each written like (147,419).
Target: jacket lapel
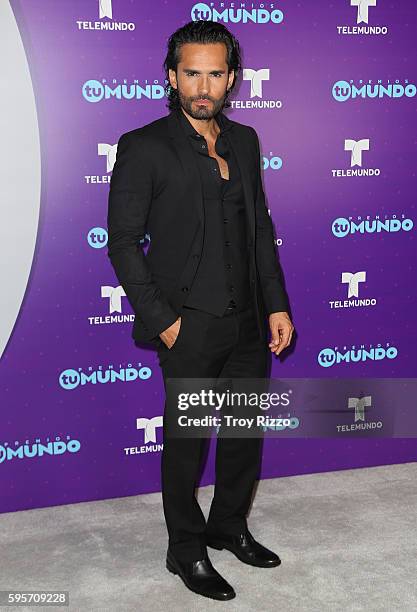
(188,161)
(243,158)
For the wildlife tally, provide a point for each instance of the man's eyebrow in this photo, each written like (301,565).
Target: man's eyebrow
(198,71)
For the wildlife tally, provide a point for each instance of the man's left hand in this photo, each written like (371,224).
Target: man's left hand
(281,331)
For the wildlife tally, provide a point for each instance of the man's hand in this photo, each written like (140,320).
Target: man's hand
(169,335)
(281,331)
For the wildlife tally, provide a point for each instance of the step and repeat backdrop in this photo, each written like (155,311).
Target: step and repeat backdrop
(330,88)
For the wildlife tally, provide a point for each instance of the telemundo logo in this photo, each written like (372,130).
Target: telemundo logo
(344,90)
(105,10)
(70,379)
(202,11)
(37,449)
(95,91)
(342,227)
(362,16)
(97,237)
(329,357)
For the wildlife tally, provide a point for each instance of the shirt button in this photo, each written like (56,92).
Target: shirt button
(225,220)
(227,243)
(232,288)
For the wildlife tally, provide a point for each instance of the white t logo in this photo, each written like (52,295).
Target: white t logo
(256,77)
(115,294)
(105,9)
(353,281)
(149,425)
(359,404)
(356,146)
(110,152)
(363,6)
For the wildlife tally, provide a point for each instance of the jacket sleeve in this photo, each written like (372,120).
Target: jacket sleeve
(129,203)
(268,266)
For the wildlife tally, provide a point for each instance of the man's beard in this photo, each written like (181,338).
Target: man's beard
(201,112)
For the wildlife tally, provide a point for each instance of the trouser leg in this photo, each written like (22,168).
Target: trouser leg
(238,460)
(190,357)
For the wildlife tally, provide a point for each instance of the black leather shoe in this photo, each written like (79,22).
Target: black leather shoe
(245,547)
(201,577)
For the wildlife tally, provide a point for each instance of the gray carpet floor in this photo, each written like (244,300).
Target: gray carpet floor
(347,540)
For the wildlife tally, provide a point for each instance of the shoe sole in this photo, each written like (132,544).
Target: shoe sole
(172,569)
(218,546)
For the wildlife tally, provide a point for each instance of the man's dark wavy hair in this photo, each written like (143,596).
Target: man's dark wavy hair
(203,32)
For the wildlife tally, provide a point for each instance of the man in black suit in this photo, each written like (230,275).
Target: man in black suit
(201,295)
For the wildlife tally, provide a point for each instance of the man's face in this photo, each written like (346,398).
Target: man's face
(202,79)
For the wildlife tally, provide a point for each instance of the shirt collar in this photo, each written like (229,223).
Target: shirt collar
(223,123)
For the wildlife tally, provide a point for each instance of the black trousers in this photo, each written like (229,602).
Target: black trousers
(209,346)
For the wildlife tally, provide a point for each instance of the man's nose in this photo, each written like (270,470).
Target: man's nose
(203,84)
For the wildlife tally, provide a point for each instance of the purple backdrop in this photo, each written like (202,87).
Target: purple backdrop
(337,155)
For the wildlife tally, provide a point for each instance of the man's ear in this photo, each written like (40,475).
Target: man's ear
(172,78)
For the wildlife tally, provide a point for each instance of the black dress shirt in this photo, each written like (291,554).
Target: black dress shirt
(222,277)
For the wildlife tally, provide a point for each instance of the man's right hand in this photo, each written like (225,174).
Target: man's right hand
(169,335)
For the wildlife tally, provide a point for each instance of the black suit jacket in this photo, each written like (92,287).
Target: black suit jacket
(156,188)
